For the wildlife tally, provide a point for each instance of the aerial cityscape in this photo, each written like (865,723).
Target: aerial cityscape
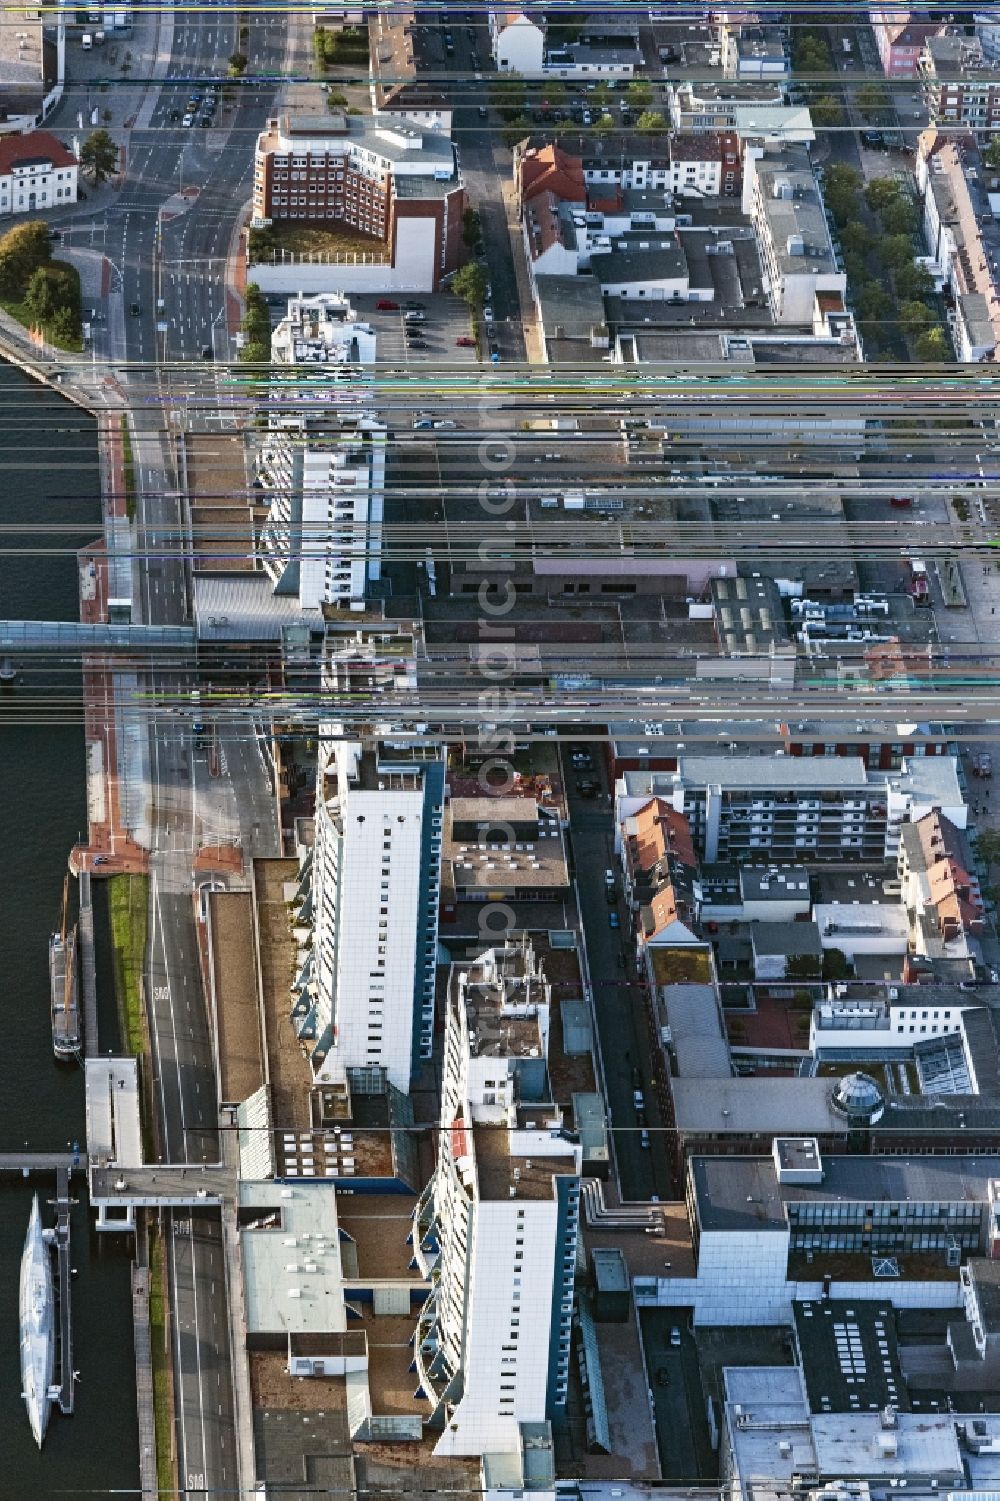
(499,692)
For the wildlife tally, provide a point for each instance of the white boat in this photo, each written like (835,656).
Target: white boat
(38,1326)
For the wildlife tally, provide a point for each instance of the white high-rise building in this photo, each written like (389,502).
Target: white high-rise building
(496,1228)
(323,330)
(365,997)
(325,486)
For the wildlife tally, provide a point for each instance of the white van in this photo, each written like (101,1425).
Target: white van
(86,41)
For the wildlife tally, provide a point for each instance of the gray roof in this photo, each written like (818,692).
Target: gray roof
(244,606)
(756,1106)
(801,214)
(696,1031)
(984,1274)
(787,938)
(572,305)
(393,138)
(743,1193)
(774,883)
(777,772)
(666,262)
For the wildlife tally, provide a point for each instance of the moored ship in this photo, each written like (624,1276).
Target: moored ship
(38,1326)
(64,984)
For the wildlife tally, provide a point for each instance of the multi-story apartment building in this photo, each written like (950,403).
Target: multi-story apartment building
(322,330)
(496,1228)
(785,205)
(365,996)
(900,36)
(961,88)
(406,56)
(762,113)
(517,39)
(324,483)
(378,174)
(742,807)
(752,51)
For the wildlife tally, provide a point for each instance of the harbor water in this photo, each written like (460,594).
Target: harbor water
(49,477)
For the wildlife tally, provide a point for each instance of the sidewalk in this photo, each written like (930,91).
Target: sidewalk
(529,318)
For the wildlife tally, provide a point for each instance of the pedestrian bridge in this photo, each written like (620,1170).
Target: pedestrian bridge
(116,1193)
(17,636)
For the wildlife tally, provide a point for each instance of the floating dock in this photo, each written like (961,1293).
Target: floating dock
(64,1275)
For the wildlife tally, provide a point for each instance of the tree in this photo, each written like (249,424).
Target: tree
(319,46)
(39,295)
(802,967)
(988,847)
(991,156)
(470,227)
(871,99)
(826,111)
(880,192)
(22,250)
(604,124)
(602,95)
(237,64)
(914,281)
(556,93)
(255,353)
(933,345)
(508,95)
(914,317)
(650,121)
(899,218)
(897,251)
(639,94)
(836,965)
(64,327)
(99,156)
(856,237)
(469,283)
(856,267)
(873,302)
(811,56)
(842,178)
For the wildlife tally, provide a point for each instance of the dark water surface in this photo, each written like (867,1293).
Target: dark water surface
(49,475)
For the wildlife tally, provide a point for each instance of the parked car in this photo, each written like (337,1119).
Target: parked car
(675,1336)
(414,307)
(644,1140)
(638,1099)
(483,112)
(614,921)
(386,305)
(423,424)
(663,1376)
(445,422)
(466,341)
(417,344)
(414,316)
(188,120)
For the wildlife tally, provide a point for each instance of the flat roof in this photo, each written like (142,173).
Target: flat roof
(239,1052)
(495,1167)
(292,1273)
(850,1356)
(758,1105)
(114,1129)
(743,1193)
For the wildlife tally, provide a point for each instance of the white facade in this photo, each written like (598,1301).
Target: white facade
(325,493)
(863,928)
(517,41)
(853,1026)
(375,889)
(322,329)
(413,267)
(496,1229)
(36,183)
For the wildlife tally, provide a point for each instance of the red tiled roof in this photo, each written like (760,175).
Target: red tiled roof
(548,169)
(38,145)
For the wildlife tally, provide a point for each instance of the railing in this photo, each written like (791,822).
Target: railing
(320,258)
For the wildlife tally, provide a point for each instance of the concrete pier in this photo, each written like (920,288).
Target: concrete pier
(40,1162)
(88,967)
(67,1385)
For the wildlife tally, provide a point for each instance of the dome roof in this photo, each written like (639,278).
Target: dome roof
(859,1095)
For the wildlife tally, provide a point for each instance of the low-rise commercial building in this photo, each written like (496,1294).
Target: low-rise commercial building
(36,172)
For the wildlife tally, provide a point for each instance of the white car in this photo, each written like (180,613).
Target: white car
(188,120)
(488,314)
(445,422)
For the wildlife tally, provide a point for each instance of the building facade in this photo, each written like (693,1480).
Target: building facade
(36,172)
(365,995)
(496,1229)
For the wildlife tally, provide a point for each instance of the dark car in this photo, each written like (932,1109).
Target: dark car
(663,1376)
(136,309)
(414,307)
(207,352)
(418,343)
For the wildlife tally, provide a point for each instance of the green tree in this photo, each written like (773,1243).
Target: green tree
(802,967)
(604,124)
(842,178)
(811,56)
(602,95)
(880,192)
(99,156)
(873,302)
(255,353)
(914,317)
(22,250)
(470,227)
(556,93)
(650,121)
(933,345)
(991,155)
(871,98)
(836,965)
(40,296)
(856,237)
(516,131)
(64,327)
(856,267)
(469,283)
(237,64)
(826,111)
(508,95)
(319,46)
(897,251)
(988,847)
(899,218)
(639,94)
(914,281)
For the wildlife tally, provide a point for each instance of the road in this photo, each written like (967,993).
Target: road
(182,259)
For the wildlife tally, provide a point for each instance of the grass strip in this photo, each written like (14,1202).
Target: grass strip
(163,1393)
(128,464)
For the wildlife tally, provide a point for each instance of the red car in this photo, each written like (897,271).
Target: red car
(465,342)
(386,305)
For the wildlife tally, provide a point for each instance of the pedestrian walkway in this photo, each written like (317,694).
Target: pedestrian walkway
(144,1380)
(533,344)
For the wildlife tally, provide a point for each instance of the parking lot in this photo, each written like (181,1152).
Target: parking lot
(447,320)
